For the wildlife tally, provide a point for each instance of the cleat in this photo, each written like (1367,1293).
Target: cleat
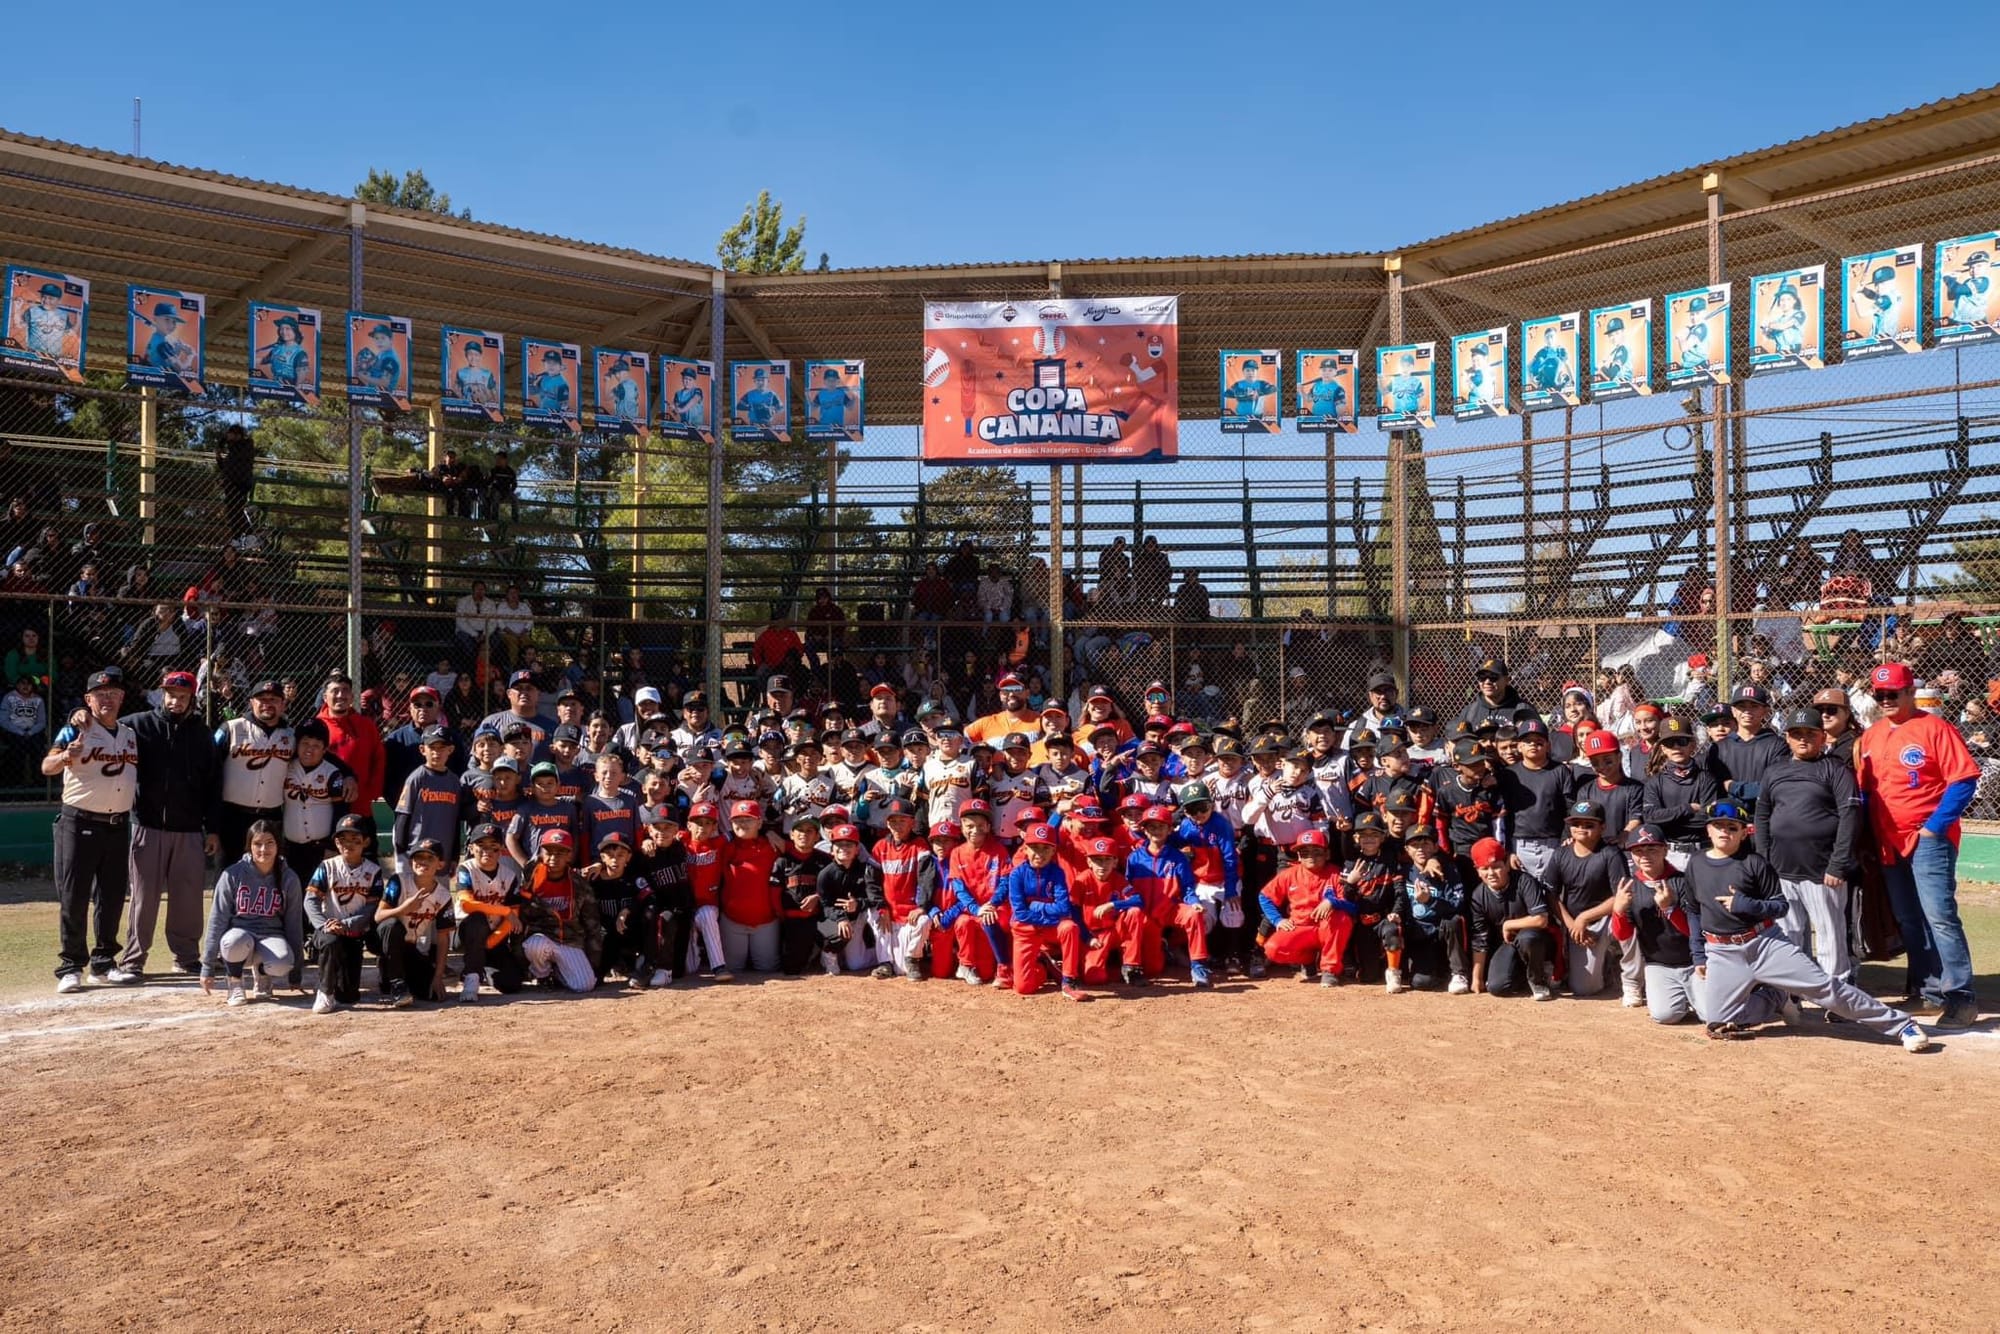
(1304,974)
(1633,999)
(400,997)
(264,986)
(1072,992)
(1459,985)
(661,978)
(1788,1010)
(1392,982)
(1914,1038)
(118,977)
(721,973)
(1958,1014)
(470,991)
(1541,991)
(882,970)
(1131,976)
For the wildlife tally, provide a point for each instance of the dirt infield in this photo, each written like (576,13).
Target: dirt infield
(846,1154)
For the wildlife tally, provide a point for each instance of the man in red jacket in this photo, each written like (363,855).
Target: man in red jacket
(354,740)
(750,902)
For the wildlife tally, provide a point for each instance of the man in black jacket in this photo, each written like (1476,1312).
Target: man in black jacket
(1496,697)
(1808,817)
(179,789)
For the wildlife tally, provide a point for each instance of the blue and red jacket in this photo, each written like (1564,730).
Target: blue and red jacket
(1037,897)
(1211,851)
(974,877)
(1163,877)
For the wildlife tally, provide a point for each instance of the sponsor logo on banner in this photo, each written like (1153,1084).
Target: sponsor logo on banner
(1621,351)
(163,339)
(1250,390)
(284,354)
(1551,352)
(46,322)
(551,384)
(378,361)
(834,404)
(1479,374)
(1328,398)
(1965,307)
(1881,303)
(687,399)
(1788,320)
(474,374)
(1406,386)
(1698,336)
(1053,381)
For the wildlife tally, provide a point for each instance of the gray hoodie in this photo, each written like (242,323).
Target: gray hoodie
(263,905)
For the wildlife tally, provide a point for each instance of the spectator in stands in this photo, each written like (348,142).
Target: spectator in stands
(452,480)
(91,548)
(1191,599)
(18,528)
(474,624)
(1982,738)
(27,659)
(501,485)
(236,469)
(931,599)
(513,623)
(24,728)
(198,621)
(464,706)
(826,621)
(1954,660)
(962,570)
(137,585)
(88,614)
(1033,595)
(996,596)
(218,670)
(154,643)
(228,580)
(1152,574)
(47,554)
(777,650)
(1114,565)
(444,678)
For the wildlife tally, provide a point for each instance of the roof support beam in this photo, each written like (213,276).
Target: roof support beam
(300,258)
(1466,289)
(1825,236)
(752,330)
(671,308)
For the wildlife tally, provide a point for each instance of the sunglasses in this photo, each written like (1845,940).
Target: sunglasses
(1830,708)
(1486,677)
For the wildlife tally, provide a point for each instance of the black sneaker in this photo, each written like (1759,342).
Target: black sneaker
(1131,976)
(1958,1014)
(399,996)
(1257,967)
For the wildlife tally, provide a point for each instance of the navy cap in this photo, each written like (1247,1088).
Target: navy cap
(1528,727)
(567,732)
(521,677)
(481,832)
(1645,836)
(430,845)
(1369,822)
(350,824)
(1584,810)
(434,734)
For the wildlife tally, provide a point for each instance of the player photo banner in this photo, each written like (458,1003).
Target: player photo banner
(550,384)
(1479,374)
(1621,351)
(1250,394)
(624,390)
(474,374)
(1881,301)
(834,406)
(1328,400)
(378,361)
(47,318)
(1788,320)
(1406,386)
(1964,307)
(687,393)
(760,401)
(1052,380)
(284,354)
(1698,336)
(163,339)
(1550,355)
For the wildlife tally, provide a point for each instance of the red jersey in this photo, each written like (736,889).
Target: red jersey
(704,863)
(1904,769)
(354,740)
(900,863)
(748,897)
(1297,891)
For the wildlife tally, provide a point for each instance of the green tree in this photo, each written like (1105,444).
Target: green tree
(1976,573)
(413,190)
(761,243)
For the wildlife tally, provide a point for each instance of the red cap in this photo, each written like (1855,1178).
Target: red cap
(752,810)
(1159,720)
(1489,852)
(844,833)
(945,829)
(1137,801)
(1163,814)
(1698,660)
(1034,815)
(1158,688)
(1010,682)
(1889,676)
(702,810)
(178,681)
(1040,836)
(1182,729)
(975,807)
(555,838)
(1101,847)
(423,692)
(1312,838)
(1600,742)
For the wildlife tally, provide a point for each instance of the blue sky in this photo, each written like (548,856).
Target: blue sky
(941,133)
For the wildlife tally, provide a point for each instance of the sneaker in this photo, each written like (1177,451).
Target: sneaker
(237,995)
(1328,979)
(661,978)
(1001,983)
(1258,968)
(1914,1038)
(1541,990)
(1304,974)
(1072,992)
(1724,1032)
(882,972)
(264,986)
(323,1003)
(968,975)
(69,984)
(1131,976)
(1788,1010)
(400,997)
(118,977)
(920,970)
(1958,1014)
(1392,981)
(469,992)
(721,974)
(1198,973)
(1634,998)
(1459,985)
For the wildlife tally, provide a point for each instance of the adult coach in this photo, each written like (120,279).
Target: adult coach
(97,758)
(254,752)
(177,780)
(524,707)
(1919,777)
(353,738)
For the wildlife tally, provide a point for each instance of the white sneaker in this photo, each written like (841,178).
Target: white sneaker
(1914,1037)
(323,1002)
(1541,991)
(118,977)
(470,991)
(1393,981)
(237,995)
(265,986)
(661,978)
(966,974)
(69,984)
(1634,998)
(1459,985)
(1788,1010)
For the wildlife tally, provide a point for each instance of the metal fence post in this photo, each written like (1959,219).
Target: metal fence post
(1056,683)
(357,223)
(1711,185)
(1399,519)
(149,461)
(712,586)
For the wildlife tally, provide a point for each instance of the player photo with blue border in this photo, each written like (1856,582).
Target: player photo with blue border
(285,354)
(834,402)
(1250,390)
(472,374)
(1698,336)
(1327,394)
(1964,307)
(47,322)
(760,398)
(1549,361)
(1788,320)
(163,340)
(1406,386)
(1479,374)
(624,390)
(1881,302)
(687,399)
(378,361)
(550,392)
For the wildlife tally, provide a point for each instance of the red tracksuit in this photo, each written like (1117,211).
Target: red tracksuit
(1114,914)
(1289,902)
(973,878)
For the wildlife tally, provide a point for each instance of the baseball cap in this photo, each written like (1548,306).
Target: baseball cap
(1100,847)
(1420,833)
(1600,743)
(566,691)
(615,839)
(776,684)
(1054,710)
(516,732)
(945,829)
(481,832)
(1157,688)
(666,812)
(420,692)
(1148,748)
(1584,810)
(431,847)
(843,833)
(270,686)
(1011,682)
(1368,822)
(1195,793)
(1156,720)
(746,810)
(977,806)
(1311,838)
(1698,660)
(1400,803)
(106,680)
(1528,727)
(1726,809)
(896,806)
(1832,697)
(1098,692)
(1266,745)
(1645,836)
(882,690)
(1324,718)
(1135,801)
(806,818)
(915,737)
(506,763)
(1804,720)
(1488,852)
(1364,738)
(1716,713)
(739,749)
(556,838)
(1017,741)
(1381,680)
(432,735)
(1228,746)
(544,769)
(178,681)
(1467,750)
(1421,715)
(695,699)
(853,737)
(570,732)
(1040,836)
(521,677)
(1157,814)
(1892,676)
(350,824)
(1675,729)
(1490,667)
(703,810)
(1750,693)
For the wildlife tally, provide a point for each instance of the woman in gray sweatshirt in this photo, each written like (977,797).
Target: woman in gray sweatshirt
(258,915)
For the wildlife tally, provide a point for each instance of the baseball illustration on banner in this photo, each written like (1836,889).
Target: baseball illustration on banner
(687,394)
(1621,350)
(1698,336)
(1406,386)
(550,390)
(834,407)
(1881,300)
(624,389)
(1250,391)
(1328,400)
(473,373)
(284,354)
(46,321)
(1964,309)
(1053,381)
(760,400)
(1787,320)
(163,339)
(1550,359)
(378,361)
(1479,374)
